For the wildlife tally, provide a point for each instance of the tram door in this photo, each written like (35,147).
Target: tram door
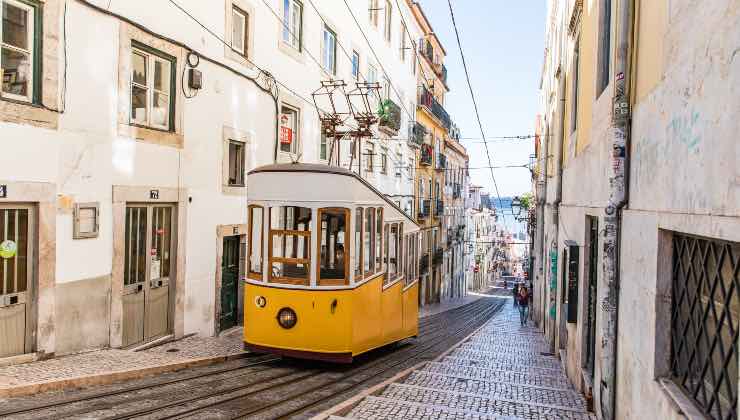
(16,273)
(146,278)
(229,283)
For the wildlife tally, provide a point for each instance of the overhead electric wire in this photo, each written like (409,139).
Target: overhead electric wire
(475,104)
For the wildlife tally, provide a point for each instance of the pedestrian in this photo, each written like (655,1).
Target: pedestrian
(515,292)
(523,303)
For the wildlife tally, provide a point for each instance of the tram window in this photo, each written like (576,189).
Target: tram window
(290,243)
(399,251)
(358,244)
(386,253)
(332,252)
(393,253)
(255,242)
(379,241)
(369,241)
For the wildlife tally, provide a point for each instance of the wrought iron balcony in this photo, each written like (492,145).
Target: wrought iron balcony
(389,116)
(416,134)
(427,100)
(424,208)
(426,49)
(424,264)
(426,155)
(437,258)
(441,162)
(439,208)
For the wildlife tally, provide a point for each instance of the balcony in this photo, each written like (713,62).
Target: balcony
(427,51)
(439,208)
(456,190)
(427,100)
(389,117)
(426,155)
(416,134)
(437,258)
(424,264)
(424,208)
(441,162)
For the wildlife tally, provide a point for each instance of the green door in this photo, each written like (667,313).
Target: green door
(229,282)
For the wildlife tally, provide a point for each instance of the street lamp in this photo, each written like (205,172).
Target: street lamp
(516,206)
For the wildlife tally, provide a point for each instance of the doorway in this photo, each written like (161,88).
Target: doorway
(230,283)
(593,255)
(148,256)
(16,279)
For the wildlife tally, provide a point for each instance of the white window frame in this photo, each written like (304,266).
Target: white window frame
(323,141)
(151,59)
(241,163)
(384,160)
(329,52)
(30,52)
(245,29)
(295,144)
(372,73)
(370,154)
(293,27)
(388,12)
(403,43)
(373,12)
(356,65)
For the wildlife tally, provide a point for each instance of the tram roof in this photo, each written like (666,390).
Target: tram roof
(327,169)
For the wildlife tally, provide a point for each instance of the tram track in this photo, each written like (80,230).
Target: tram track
(258,386)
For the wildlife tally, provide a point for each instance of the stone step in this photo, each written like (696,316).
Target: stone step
(498,364)
(482,404)
(557,380)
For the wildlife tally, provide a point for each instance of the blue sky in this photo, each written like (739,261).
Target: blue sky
(503,41)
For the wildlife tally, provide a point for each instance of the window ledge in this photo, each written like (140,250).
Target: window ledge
(679,400)
(235,190)
(289,50)
(161,137)
(19,112)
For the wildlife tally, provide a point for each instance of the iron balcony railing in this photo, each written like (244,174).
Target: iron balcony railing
(439,208)
(389,116)
(427,100)
(441,161)
(437,258)
(427,50)
(416,134)
(424,264)
(424,208)
(704,322)
(426,155)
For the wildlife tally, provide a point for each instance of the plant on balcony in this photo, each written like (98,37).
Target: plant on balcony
(426,154)
(389,115)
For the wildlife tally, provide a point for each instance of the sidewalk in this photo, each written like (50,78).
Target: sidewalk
(111,365)
(499,372)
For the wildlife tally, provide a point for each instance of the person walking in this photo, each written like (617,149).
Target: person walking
(523,302)
(515,293)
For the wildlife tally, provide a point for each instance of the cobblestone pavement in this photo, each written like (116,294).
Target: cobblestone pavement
(498,373)
(115,360)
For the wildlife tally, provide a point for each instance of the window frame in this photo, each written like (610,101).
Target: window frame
(574,87)
(334,282)
(379,240)
(605,43)
(403,43)
(245,35)
(355,65)
(369,161)
(77,233)
(325,50)
(370,219)
(295,143)
(288,260)
(373,13)
(359,264)
(35,35)
(388,16)
(259,276)
(384,160)
(152,55)
(288,29)
(241,173)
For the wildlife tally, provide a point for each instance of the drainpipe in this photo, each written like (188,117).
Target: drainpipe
(621,126)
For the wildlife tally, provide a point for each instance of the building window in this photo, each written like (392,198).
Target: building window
(86,220)
(293,23)
(289,135)
(236,163)
(239,30)
(704,322)
(19,52)
(388,20)
(370,153)
(152,81)
(356,65)
(323,147)
(373,12)
(386,88)
(383,160)
(290,244)
(372,74)
(333,265)
(574,89)
(604,46)
(393,253)
(256,214)
(329,56)
(369,242)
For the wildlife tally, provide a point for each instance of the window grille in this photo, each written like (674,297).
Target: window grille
(704,322)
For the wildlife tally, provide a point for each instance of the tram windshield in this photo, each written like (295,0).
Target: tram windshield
(290,244)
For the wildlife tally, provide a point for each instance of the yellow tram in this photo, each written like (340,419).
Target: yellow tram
(332,265)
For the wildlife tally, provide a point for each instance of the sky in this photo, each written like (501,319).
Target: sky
(503,42)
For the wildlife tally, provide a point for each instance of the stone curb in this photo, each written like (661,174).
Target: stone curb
(106,378)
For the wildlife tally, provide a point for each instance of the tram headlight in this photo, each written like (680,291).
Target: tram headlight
(287,318)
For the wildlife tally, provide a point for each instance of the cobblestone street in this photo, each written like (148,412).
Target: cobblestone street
(499,372)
